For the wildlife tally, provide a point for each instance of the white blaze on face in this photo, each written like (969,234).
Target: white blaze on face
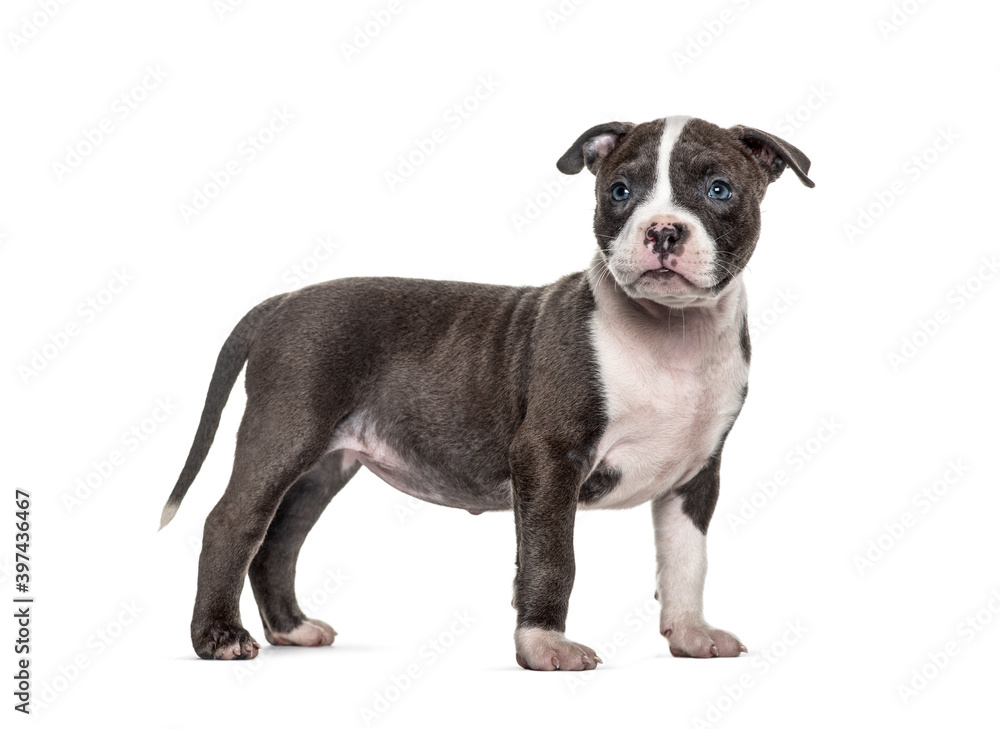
(631,256)
(660,200)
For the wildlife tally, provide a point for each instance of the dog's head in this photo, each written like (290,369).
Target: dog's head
(678,202)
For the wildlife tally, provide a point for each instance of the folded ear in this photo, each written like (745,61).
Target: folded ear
(592,146)
(774,154)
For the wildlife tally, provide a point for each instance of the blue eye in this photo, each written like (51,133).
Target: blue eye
(619,192)
(719,190)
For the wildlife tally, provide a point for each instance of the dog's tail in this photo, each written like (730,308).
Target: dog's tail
(227,369)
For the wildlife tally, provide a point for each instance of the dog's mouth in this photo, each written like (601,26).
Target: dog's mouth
(663,284)
(667,274)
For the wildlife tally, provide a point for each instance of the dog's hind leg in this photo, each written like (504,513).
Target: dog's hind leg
(272,572)
(281,437)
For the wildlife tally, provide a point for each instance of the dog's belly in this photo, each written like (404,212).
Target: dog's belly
(357,441)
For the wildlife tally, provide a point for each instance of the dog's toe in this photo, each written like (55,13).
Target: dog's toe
(702,641)
(548,650)
(225,643)
(309,632)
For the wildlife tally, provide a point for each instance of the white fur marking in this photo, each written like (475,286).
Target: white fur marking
(681,561)
(354,438)
(672,387)
(662,196)
(169,511)
(680,580)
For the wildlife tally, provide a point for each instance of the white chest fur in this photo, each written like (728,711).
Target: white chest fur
(673,384)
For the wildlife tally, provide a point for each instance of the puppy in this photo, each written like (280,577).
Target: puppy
(606,389)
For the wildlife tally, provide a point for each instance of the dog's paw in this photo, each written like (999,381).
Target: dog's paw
(700,640)
(310,632)
(548,650)
(224,642)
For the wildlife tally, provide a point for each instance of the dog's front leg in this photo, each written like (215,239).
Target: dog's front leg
(680,520)
(545,486)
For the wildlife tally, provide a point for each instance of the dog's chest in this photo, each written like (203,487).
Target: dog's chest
(670,397)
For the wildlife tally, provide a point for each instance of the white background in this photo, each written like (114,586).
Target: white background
(860,87)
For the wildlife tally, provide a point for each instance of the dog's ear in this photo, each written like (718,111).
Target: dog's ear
(592,146)
(773,154)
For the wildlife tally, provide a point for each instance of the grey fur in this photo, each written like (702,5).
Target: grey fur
(473,396)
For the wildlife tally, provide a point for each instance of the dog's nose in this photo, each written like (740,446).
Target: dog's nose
(665,237)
